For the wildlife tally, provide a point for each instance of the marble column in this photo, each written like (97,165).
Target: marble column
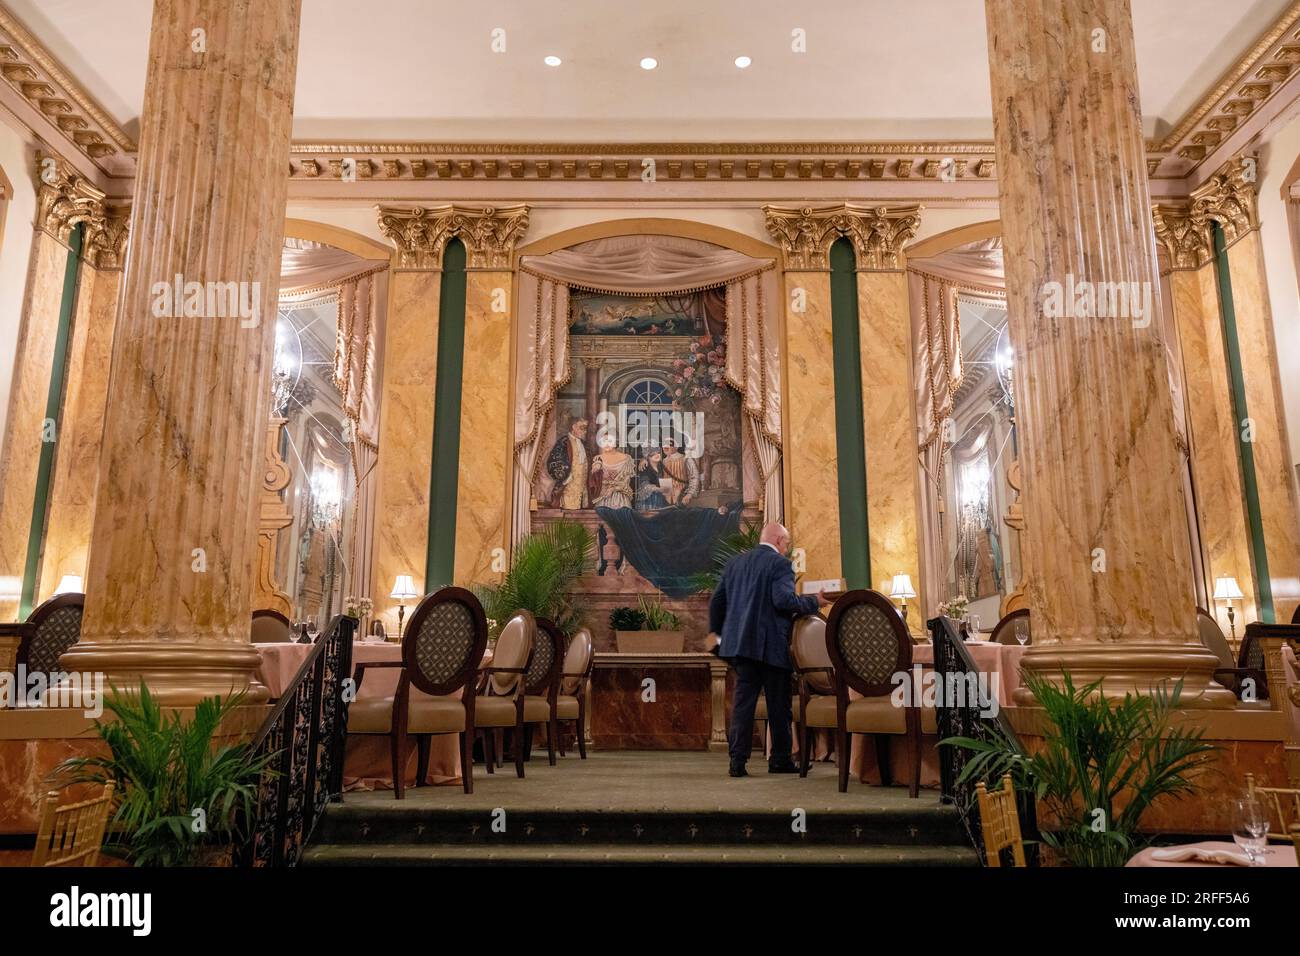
(65,199)
(71,514)
(1111,595)
(1216,464)
(172,556)
(1229,198)
(878,235)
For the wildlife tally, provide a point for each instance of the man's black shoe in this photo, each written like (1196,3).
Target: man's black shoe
(783,766)
(738,769)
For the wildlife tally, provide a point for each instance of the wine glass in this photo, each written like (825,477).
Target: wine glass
(312,628)
(1022,631)
(1250,828)
(974,626)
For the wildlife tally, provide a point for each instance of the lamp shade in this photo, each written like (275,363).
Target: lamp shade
(902,587)
(1226,589)
(404,588)
(70,584)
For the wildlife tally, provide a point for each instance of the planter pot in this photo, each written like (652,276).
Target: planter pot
(650,642)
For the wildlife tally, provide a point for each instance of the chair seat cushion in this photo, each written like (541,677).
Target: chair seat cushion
(536,709)
(426,715)
(868,715)
(566,708)
(760,711)
(494,711)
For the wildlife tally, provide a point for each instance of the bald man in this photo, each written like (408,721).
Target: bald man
(750,615)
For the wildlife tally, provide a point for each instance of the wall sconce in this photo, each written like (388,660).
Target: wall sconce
(70,584)
(902,589)
(1226,589)
(403,591)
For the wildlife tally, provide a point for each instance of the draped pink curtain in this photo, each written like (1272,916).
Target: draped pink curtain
(646,265)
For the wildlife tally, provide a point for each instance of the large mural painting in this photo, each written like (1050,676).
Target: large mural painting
(646,444)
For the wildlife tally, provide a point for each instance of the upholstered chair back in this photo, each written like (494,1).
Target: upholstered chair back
(548,658)
(1212,637)
(576,660)
(808,648)
(513,649)
(271,627)
(1005,631)
(867,642)
(442,646)
(51,629)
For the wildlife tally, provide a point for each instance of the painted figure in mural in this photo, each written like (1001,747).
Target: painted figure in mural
(649,483)
(568,466)
(684,474)
(611,476)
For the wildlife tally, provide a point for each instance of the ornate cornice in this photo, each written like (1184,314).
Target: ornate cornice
(421,233)
(66,199)
(1228,198)
(878,233)
(34,73)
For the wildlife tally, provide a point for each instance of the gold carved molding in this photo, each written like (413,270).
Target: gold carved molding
(66,199)
(1228,198)
(421,233)
(273,517)
(878,233)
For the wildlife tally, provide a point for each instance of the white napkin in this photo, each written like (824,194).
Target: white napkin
(1199,854)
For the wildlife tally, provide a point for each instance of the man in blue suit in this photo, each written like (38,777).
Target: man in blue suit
(750,614)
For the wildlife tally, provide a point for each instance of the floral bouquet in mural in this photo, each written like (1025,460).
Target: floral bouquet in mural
(957,608)
(358,608)
(698,378)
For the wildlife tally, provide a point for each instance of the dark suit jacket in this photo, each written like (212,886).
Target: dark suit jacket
(754,605)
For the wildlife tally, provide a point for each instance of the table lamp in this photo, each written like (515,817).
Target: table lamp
(1226,589)
(70,584)
(403,591)
(902,589)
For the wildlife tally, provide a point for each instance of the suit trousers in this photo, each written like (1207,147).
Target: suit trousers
(751,677)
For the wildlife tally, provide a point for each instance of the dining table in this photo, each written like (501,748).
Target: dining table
(1279,855)
(367,760)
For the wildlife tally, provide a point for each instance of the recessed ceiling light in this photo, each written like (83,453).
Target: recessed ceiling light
(743,61)
(552,61)
(649,63)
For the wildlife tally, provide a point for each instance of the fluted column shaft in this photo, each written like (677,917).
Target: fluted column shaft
(1111,594)
(173,551)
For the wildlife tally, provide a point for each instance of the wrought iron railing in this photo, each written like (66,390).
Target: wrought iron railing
(306,732)
(965,718)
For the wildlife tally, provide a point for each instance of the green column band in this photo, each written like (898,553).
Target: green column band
(441,557)
(53,412)
(855,553)
(1245,449)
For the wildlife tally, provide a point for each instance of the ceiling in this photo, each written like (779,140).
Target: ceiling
(874,69)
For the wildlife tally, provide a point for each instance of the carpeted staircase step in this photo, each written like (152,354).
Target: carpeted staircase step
(551,854)
(405,822)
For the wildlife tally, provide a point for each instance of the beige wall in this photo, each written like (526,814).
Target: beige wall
(17,159)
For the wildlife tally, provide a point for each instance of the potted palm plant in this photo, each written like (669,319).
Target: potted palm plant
(649,628)
(541,573)
(180,797)
(1103,762)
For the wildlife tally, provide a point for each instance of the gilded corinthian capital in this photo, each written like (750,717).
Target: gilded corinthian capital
(422,233)
(878,233)
(66,199)
(1228,197)
(1186,239)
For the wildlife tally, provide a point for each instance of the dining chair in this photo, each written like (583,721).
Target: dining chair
(814,677)
(1229,673)
(571,704)
(499,704)
(271,627)
(542,686)
(1000,823)
(868,643)
(1004,632)
(1284,803)
(1295,839)
(73,834)
(50,630)
(442,648)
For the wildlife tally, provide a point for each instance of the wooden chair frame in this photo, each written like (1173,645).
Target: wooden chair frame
(802,680)
(272,613)
(1274,797)
(1000,823)
(547,685)
(493,744)
(580,693)
(846,679)
(1006,627)
(72,835)
(30,629)
(399,738)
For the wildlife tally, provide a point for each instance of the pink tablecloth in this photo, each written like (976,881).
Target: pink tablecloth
(367,763)
(1281,855)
